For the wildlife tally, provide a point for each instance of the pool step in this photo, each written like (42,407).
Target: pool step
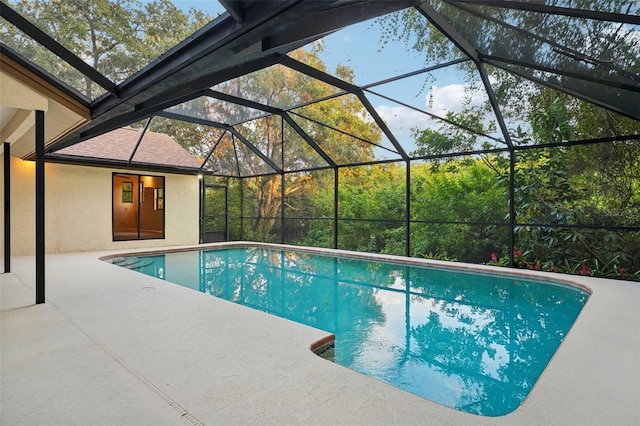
(132,262)
(141,263)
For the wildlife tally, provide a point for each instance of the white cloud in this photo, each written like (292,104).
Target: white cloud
(401,120)
(452,97)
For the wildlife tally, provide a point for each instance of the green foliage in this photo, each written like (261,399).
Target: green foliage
(563,190)
(549,118)
(461,133)
(457,193)
(375,194)
(446,198)
(585,267)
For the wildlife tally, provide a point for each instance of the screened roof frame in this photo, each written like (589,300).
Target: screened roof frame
(598,75)
(561,48)
(156,104)
(556,10)
(59,50)
(346,88)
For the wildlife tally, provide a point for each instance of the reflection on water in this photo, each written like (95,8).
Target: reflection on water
(477,343)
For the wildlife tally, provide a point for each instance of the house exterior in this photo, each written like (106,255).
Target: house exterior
(86,208)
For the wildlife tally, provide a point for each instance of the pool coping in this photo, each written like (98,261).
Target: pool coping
(442,264)
(594,377)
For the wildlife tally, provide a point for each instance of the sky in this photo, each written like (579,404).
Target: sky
(438,92)
(212,7)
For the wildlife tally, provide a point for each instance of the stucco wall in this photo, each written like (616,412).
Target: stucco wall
(78,209)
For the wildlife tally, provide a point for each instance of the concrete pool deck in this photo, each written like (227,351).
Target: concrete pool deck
(115,347)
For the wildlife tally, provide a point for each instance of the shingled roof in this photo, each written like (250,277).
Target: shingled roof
(119,144)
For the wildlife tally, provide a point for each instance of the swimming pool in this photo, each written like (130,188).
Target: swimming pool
(470,341)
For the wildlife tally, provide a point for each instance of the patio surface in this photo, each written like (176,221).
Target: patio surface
(114,347)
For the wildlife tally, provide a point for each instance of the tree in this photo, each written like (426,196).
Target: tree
(453,196)
(371,208)
(116,37)
(279,141)
(450,138)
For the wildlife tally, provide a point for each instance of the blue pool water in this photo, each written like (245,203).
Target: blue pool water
(474,342)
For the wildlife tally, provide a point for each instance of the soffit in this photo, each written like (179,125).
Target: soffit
(22,92)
